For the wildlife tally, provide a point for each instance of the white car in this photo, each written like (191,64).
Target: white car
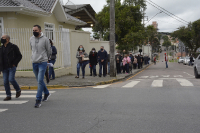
(180,60)
(186,60)
(197,67)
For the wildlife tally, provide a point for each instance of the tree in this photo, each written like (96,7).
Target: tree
(128,23)
(189,35)
(165,38)
(167,44)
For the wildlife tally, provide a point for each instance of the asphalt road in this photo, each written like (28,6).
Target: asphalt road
(157,100)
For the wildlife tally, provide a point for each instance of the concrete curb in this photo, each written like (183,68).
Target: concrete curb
(95,84)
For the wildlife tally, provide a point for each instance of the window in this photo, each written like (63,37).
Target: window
(49,30)
(1,27)
(60,27)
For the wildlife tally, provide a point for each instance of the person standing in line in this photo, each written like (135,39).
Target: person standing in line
(135,62)
(41,52)
(154,59)
(139,60)
(142,62)
(126,60)
(82,60)
(108,62)
(93,62)
(52,60)
(10,56)
(118,59)
(166,60)
(131,63)
(191,60)
(102,57)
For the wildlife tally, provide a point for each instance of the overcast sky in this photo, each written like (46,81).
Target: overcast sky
(188,10)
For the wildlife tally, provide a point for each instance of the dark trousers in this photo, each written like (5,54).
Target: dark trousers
(51,70)
(142,64)
(126,68)
(135,65)
(139,65)
(93,69)
(102,65)
(118,67)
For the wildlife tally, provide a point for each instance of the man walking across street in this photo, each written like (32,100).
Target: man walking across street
(41,52)
(10,56)
(166,60)
(102,57)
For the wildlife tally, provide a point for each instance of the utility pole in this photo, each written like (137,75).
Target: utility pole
(112,39)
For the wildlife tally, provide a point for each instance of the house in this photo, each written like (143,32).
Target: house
(59,22)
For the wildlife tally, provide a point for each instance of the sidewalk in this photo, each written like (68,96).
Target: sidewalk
(71,81)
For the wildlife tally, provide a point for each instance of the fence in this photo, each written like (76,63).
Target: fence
(21,36)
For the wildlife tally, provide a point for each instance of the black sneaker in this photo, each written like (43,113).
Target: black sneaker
(38,104)
(18,94)
(46,97)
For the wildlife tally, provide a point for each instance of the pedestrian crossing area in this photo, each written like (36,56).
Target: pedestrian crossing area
(24,98)
(157,83)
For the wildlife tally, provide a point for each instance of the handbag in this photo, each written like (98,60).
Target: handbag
(85,59)
(53,57)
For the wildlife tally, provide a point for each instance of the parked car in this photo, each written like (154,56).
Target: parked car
(186,60)
(180,60)
(197,67)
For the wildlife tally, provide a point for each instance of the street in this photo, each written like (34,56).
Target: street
(157,100)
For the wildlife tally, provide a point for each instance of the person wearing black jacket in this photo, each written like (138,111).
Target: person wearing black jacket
(139,60)
(52,60)
(10,56)
(191,60)
(93,62)
(118,59)
(102,58)
(142,62)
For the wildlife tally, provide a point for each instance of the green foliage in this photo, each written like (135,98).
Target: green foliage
(165,38)
(167,43)
(189,35)
(128,23)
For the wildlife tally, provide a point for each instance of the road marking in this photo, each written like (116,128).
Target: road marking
(154,76)
(131,84)
(102,86)
(2,110)
(157,83)
(178,76)
(189,74)
(22,96)
(184,82)
(144,77)
(165,76)
(26,92)
(13,102)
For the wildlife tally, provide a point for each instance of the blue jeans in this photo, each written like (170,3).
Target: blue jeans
(39,70)
(190,63)
(108,67)
(102,64)
(82,66)
(166,65)
(9,76)
(51,70)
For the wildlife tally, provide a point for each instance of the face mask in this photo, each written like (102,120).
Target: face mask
(3,41)
(36,34)
(93,51)
(101,49)
(81,48)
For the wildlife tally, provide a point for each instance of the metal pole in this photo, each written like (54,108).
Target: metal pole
(112,39)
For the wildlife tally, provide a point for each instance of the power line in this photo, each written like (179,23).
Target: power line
(168,11)
(153,17)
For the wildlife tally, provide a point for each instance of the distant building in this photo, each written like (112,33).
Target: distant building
(155,24)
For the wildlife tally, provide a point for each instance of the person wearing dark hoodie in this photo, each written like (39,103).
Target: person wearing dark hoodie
(10,56)
(52,60)
(93,62)
(102,58)
(41,52)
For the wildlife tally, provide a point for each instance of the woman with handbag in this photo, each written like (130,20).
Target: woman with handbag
(52,60)
(82,60)
(93,62)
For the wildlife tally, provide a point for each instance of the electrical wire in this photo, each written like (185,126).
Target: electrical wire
(168,11)
(153,17)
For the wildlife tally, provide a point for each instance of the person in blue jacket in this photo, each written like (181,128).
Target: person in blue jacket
(102,58)
(52,60)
